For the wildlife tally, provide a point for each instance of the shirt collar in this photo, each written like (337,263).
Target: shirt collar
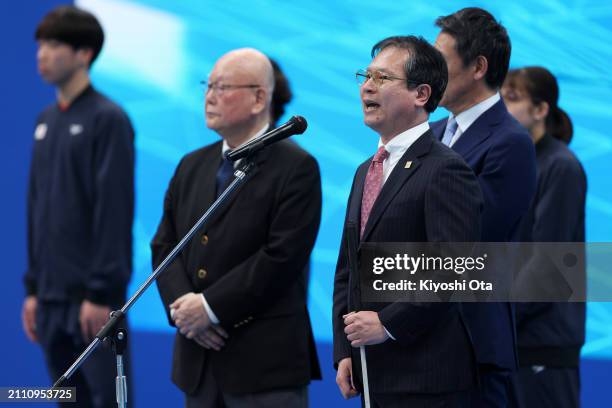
(467,117)
(226,147)
(87,90)
(401,143)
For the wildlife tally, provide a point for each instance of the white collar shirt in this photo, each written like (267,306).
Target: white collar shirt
(225,147)
(466,118)
(398,146)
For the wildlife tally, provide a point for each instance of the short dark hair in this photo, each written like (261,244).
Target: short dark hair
(540,85)
(425,65)
(478,33)
(282,94)
(73,26)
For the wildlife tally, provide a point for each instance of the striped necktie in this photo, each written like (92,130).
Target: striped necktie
(451,129)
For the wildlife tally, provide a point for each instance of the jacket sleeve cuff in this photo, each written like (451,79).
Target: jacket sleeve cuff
(393,322)
(342,350)
(113,297)
(97,297)
(30,287)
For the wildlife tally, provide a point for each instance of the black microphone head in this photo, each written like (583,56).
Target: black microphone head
(299,124)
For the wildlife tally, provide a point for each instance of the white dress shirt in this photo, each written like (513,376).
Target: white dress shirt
(467,117)
(396,148)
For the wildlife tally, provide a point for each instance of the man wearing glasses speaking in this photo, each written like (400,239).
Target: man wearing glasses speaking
(414,189)
(237,294)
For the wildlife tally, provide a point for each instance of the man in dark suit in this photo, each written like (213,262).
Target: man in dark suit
(477,50)
(237,295)
(414,189)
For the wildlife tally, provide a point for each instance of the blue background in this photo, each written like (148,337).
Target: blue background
(155,54)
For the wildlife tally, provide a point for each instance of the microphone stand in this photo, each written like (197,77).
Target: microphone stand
(118,335)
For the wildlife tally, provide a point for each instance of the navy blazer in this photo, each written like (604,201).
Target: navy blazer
(552,334)
(502,155)
(435,199)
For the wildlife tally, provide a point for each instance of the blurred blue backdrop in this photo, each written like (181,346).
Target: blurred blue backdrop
(155,54)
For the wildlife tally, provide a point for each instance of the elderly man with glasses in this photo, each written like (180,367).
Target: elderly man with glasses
(414,189)
(237,294)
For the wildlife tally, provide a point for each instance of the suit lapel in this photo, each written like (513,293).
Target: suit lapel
(354,215)
(480,130)
(398,177)
(259,160)
(208,181)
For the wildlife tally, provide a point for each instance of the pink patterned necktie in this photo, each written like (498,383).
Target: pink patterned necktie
(373,185)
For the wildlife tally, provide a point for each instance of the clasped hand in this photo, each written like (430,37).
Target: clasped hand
(193,322)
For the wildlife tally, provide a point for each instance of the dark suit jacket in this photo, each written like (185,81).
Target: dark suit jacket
(552,334)
(436,200)
(502,155)
(249,262)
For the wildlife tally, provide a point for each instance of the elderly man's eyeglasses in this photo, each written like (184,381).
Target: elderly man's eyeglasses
(377,77)
(220,88)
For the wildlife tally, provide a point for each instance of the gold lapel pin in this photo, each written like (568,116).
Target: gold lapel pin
(408,164)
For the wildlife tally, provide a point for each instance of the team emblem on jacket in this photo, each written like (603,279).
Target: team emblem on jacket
(75,129)
(41,131)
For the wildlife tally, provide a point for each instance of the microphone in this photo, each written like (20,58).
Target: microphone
(294,126)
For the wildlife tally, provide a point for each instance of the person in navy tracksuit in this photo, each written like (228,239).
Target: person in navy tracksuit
(550,335)
(80,208)
(498,149)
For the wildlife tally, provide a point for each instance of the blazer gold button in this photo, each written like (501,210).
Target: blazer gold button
(204,239)
(202,273)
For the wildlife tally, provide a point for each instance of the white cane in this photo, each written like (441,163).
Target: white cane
(364,376)
(351,244)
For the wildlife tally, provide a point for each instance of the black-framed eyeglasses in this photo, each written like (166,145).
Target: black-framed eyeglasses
(219,88)
(377,77)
